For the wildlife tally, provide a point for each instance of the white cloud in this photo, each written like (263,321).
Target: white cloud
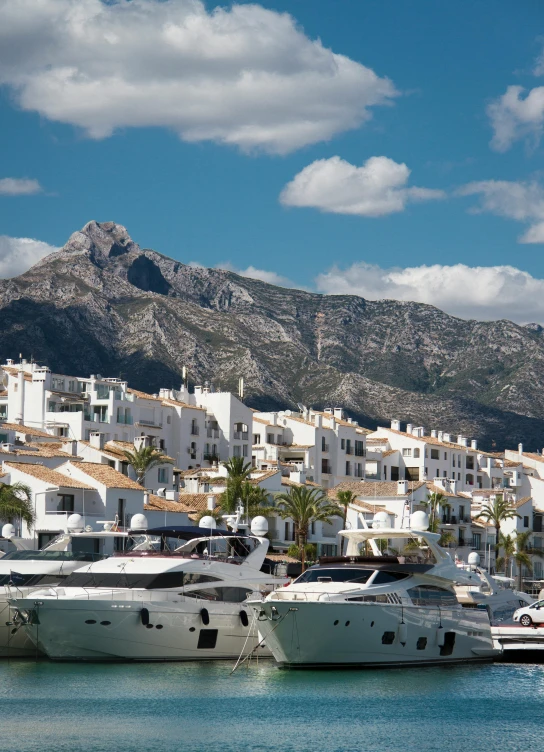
(521,201)
(19,254)
(483,293)
(19,187)
(272,278)
(245,76)
(373,190)
(515,117)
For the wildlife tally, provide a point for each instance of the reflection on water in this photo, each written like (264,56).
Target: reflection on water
(50,707)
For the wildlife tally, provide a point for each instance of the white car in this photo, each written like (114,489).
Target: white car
(533,614)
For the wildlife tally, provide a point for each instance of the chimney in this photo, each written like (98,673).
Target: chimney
(446,437)
(409,428)
(395,425)
(273,419)
(459,439)
(72,448)
(20,397)
(211,502)
(338,413)
(464,441)
(402,487)
(318,420)
(520,449)
(440,435)
(171,495)
(332,423)
(97,440)
(146,498)
(474,444)
(434,433)
(10,362)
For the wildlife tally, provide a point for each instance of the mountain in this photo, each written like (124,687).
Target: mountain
(101,304)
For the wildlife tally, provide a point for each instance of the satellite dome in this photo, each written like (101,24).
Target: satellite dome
(474,558)
(75,523)
(208,521)
(381,519)
(8,531)
(419,520)
(259,526)
(138,522)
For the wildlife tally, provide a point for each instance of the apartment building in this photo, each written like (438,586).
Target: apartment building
(328,447)
(413,455)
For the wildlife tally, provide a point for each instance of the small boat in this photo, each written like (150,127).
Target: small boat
(156,605)
(376,611)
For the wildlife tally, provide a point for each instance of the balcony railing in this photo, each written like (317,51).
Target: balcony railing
(212,433)
(125,419)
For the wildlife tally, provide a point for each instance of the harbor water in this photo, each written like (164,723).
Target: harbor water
(46,707)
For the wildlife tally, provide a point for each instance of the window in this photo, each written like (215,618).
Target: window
(358,470)
(324,447)
(470,480)
(194,427)
(121,511)
(342,443)
(431,595)
(435,454)
(236,451)
(394,473)
(325,467)
(445,473)
(279,439)
(336,574)
(349,450)
(66,503)
(477,540)
(385,472)
(313,528)
(245,451)
(417,453)
(445,455)
(359,448)
(469,462)
(525,522)
(269,438)
(163,475)
(406,452)
(168,419)
(51,407)
(225,594)
(411,473)
(256,438)
(348,468)
(461,513)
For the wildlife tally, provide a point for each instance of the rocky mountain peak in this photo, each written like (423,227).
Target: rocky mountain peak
(102,241)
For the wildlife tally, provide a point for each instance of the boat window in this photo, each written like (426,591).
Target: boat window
(52,556)
(338,574)
(162,580)
(431,595)
(383,578)
(225,594)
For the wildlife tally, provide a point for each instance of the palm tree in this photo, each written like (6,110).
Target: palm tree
(500,511)
(238,472)
(15,503)
(143,459)
(255,499)
(305,505)
(446,538)
(508,545)
(524,553)
(435,502)
(345,498)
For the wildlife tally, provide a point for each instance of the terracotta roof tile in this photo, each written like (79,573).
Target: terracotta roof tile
(158,503)
(108,476)
(373,488)
(198,502)
(47,475)
(26,429)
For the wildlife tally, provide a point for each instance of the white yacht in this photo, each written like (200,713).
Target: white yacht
(24,571)
(494,593)
(370,611)
(181,604)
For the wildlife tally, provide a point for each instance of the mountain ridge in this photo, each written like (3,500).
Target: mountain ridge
(134,312)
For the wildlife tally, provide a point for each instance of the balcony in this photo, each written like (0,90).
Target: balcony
(143,422)
(212,433)
(125,420)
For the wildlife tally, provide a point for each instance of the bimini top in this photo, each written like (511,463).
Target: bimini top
(191,532)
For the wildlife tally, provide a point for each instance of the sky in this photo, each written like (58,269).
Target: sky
(383,148)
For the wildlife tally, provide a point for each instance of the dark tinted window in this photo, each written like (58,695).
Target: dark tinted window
(337,574)
(382,578)
(52,556)
(163,580)
(430,595)
(225,594)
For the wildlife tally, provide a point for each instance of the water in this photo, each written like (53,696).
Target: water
(50,707)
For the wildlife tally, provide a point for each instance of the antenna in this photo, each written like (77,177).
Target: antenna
(241,388)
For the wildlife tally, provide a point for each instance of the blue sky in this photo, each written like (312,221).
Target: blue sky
(213,203)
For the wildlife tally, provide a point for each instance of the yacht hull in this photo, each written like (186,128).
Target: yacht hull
(14,641)
(106,630)
(366,635)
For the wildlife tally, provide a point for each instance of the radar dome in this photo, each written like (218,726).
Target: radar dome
(381,519)
(8,531)
(259,526)
(419,520)
(138,522)
(473,558)
(208,521)
(75,523)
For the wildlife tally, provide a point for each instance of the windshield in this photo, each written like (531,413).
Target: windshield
(336,574)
